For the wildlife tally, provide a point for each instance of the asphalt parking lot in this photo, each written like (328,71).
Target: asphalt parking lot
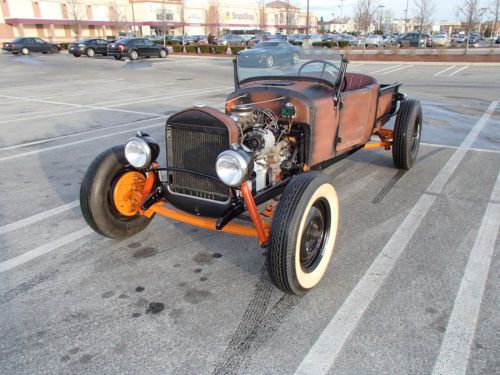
(412,288)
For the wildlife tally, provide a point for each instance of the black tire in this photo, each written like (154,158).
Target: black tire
(163,53)
(77,54)
(307,211)
(407,134)
(268,61)
(15,53)
(134,55)
(96,200)
(105,54)
(25,51)
(118,57)
(90,52)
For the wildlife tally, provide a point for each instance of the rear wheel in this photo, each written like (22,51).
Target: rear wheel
(407,134)
(111,194)
(269,61)
(295,59)
(118,57)
(90,52)
(303,233)
(25,51)
(163,53)
(133,55)
(77,54)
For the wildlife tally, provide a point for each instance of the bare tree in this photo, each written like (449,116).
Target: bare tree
(75,14)
(423,14)
(364,14)
(495,12)
(117,17)
(469,15)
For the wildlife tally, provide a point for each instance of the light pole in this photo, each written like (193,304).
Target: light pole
(406,17)
(333,20)
(341,20)
(380,16)
(133,17)
(481,14)
(307,21)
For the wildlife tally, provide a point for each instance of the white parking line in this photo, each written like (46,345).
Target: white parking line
(395,70)
(459,70)
(93,107)
(383,70)
(444,70)
(455,147)
(44,249)
(51,148)
(77,134)
(38,217)
(455,348)
(324,352)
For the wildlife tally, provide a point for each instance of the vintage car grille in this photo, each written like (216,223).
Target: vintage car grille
(194,149)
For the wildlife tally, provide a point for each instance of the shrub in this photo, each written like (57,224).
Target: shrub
(63,45)
(177,48)
(343,44)
(317,44)
(297,42)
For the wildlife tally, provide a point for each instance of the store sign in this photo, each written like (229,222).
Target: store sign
(234,16)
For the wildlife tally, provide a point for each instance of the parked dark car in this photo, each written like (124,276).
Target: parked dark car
(416,39)
(270,53)
(133,48)
(27,45)
(88,47)
(497,41)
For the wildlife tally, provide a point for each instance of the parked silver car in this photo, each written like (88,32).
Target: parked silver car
(374,40)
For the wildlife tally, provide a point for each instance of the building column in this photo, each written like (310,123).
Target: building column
(20,29)
(104,31)
(52,33)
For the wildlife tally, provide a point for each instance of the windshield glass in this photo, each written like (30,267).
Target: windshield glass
(282,61)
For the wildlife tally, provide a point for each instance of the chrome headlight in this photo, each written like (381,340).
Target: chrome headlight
(233,167)
(138,152)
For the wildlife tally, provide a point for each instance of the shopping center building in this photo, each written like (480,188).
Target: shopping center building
(66,20)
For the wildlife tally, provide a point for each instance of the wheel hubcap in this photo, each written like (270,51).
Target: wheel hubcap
(127,193)
(314,237)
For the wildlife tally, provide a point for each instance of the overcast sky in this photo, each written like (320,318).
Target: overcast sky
(443,9)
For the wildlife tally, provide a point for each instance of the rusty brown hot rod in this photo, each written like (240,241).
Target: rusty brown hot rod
(261,161)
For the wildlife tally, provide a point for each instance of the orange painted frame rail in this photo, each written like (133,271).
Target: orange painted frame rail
(260,228)
(385,136)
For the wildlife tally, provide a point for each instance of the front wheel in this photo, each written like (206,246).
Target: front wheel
(111,194)
(268,61)
(303,233)
(134,55)
(77,54)
(407,134)
(118,57)
(90,52)
(25,51)
(295,59)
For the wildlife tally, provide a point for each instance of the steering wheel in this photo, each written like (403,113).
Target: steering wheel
(325,64)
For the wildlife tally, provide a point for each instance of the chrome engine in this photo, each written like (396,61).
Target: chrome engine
(267,141)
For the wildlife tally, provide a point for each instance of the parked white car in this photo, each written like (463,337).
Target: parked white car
(374,40)
(442,40)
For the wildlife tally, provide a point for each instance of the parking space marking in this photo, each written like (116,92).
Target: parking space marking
(438,145)
(395,70)
(77,134)
(105,90)
(57,147)
(38,217)
(455,348)
(444,70)
(92,107)
(457,71)
(329,344)
(44,249)
(383,70)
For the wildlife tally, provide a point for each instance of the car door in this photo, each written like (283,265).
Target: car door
(150,47)
(30,43)
(101,46)
(281,53)
(41,45)
(357,113)
(140,46)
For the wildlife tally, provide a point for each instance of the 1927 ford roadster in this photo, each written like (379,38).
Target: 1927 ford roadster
(255,169)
